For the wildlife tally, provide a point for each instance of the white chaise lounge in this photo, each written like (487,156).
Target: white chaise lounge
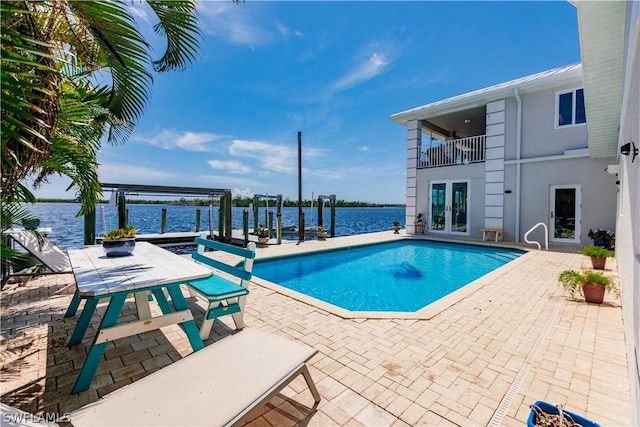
(51,256)
(217,386)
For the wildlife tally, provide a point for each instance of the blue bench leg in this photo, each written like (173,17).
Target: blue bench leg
(73,307)
(97,350)
(190,325)
(83,321)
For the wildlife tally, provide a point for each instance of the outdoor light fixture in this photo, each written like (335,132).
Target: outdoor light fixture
(467,121)
(629,148)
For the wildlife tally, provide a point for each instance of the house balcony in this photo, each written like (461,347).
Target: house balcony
(462,151)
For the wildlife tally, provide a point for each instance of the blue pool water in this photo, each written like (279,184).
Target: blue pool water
(398,276)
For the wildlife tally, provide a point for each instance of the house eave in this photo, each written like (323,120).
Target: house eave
(601,26)
(546,79)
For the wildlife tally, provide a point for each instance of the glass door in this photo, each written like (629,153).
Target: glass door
(449,207)
(564,215)
(438,206)
(459,199)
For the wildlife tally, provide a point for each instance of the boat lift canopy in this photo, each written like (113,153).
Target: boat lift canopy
(121,190)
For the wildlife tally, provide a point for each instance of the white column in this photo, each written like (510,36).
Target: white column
(414,140)
(494,166)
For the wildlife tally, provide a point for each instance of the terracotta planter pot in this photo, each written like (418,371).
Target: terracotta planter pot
(598,263)
(263,240)
(593,293)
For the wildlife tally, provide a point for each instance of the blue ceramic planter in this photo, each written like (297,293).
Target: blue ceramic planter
(121,247)
(553,409)
(601,242)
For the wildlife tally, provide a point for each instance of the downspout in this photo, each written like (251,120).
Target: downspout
(518,165)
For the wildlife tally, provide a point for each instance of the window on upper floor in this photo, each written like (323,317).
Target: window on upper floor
(570,108)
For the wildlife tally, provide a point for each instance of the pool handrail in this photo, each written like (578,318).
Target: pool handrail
(546,236)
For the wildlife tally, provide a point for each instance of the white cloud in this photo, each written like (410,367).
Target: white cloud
(276,158)
(232,166)
(273,157)
(286,31)
(191,141)
(373,65)
(247,192)
(140,10)
(364,148)
(232,22)
(120,172)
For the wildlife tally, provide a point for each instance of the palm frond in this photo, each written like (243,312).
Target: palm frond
(122,50)
(179,24)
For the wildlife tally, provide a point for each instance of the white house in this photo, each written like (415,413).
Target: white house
(508,157)
(555,148)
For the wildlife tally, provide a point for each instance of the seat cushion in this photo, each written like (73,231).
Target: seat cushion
(216,288)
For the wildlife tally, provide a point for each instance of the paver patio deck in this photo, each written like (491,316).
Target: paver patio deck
(482,361)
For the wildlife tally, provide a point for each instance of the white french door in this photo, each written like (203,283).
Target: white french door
(564,215)
(449,207)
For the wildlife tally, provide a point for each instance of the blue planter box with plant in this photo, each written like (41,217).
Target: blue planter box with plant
(546,414)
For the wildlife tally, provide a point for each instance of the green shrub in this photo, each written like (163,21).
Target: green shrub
(572,281)
(597,251)
(128,232)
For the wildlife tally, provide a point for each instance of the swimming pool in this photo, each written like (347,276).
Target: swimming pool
(401,276)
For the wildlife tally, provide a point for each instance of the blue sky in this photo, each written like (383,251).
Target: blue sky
(335,71)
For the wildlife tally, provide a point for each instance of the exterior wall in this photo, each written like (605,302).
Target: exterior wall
(628,221)
(599,193)
(474,173)
(539,135)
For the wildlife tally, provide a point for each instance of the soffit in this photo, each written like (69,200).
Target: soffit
(535,82)
(601,28)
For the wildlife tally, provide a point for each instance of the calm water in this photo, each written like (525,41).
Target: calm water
(398,276)
(68,231)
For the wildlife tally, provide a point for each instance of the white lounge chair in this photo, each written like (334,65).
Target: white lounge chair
(51,256)
(219,385)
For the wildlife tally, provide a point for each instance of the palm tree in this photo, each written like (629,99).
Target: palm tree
(72,73)
(53,53)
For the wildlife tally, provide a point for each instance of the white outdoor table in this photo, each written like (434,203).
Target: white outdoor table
(148,269)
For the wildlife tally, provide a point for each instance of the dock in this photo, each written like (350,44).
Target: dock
(186,238)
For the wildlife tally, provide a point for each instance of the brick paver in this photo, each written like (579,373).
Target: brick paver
(481,361)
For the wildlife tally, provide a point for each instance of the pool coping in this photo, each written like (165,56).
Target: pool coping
(427,312)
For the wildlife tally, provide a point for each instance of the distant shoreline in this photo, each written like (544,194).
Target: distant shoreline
(237,202)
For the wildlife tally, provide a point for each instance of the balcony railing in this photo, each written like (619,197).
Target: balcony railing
(462,151)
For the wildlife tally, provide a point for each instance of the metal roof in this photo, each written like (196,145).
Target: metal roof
(164,190)
(535,82)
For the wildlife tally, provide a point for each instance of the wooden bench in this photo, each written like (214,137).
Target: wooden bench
(226,290)
(496,231)
(219,385)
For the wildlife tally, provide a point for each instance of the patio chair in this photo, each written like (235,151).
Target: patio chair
(53,259)
(226,290)
(219,385)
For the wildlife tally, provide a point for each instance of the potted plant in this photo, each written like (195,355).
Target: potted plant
(120,241)
(396,227)
(602,237)
(263,234)
(593,284)
(544,414)
(322,233)
(419,224)
(598,255)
